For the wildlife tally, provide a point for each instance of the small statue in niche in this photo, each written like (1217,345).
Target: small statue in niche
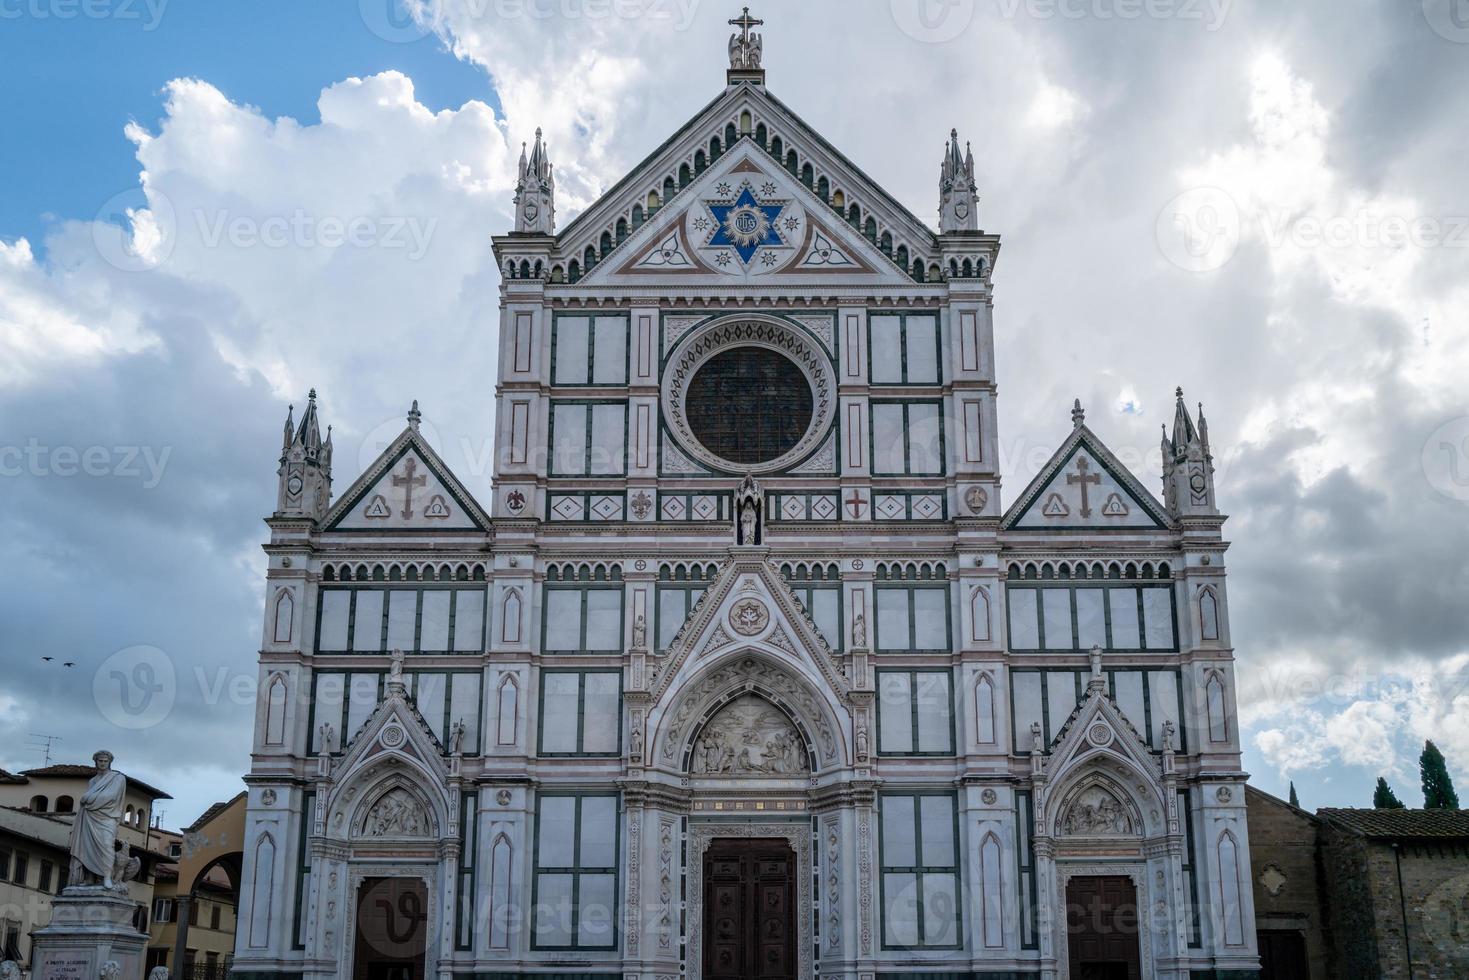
(639,634)
(862,743)
(636,743)
(456,737)
(747,504)
(859,631)
(1037,740)
(327,734)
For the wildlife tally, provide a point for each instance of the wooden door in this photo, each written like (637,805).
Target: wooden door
(749,910)
(1102,928)
(392,930)
(1283,955)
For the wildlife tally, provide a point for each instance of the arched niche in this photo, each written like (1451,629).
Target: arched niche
(691,704)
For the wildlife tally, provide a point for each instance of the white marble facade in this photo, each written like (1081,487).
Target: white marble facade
(852,642)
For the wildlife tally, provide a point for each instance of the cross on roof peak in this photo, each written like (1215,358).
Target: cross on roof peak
(744,22)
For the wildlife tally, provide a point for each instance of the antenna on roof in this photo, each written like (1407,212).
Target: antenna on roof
(41,743)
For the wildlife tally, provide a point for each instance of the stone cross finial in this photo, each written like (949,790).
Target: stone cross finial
(1078,414)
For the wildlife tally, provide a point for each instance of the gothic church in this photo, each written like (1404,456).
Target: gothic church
(744,666)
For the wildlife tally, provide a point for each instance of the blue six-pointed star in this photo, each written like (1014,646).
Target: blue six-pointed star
(746,225)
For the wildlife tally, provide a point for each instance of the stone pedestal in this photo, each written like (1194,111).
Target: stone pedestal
(89,927)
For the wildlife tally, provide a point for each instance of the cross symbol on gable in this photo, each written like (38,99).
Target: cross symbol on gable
(408,481)
(1082,477)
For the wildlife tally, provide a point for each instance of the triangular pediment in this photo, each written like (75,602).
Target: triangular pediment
(1084,487)
(1098,725)
(407,488)
(749,607)
(746,218)
(746,131)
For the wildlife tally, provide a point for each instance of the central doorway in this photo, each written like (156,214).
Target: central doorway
(749,910)
(392,930)
(1102,928)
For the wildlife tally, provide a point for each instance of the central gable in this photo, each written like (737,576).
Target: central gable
(747,120)
(746,219)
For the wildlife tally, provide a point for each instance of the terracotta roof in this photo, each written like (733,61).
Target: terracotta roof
(1399,823)
(12,779)
(75,771)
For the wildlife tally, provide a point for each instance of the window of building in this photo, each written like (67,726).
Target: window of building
(43,882)
(582,618)
(1025,853)
(1079,617)
(903,349)
(675,602)
(439,618)
(214,918)
(163,910)
(749,405)
(345,699)
(588,438)
(581,712)
(907,438)
(468,828)
(303,869)
(918,845)
(20,869)
(65,804)
(1149,699)
(912,617)
(589,350)
(10,940)
(915,712)
(575,888)
(5,858)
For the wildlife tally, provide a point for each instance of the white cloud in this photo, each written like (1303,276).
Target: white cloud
(1054,108)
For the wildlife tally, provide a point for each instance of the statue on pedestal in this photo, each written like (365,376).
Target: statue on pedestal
(94,829)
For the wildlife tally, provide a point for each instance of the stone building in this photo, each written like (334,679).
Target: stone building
(745,666)
(1292,911)
(1398,886)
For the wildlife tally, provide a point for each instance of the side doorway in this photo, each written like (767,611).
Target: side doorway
(392,930)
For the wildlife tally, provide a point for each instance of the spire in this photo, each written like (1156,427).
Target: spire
(958,193)
(535,190)
(1188,469)
(1078,414)
(305,473)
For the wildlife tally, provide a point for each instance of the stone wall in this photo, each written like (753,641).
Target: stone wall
(1288,878)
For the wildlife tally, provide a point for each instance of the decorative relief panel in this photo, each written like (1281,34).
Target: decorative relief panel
(749,737)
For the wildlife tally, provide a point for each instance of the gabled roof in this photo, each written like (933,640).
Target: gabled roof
(12,779)
(467,516)
(1399,824)
(779,120)
(73,771)
(214,810)
(1115,499)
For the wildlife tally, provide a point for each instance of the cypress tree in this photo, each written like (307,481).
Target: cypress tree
(1295,800)
(1383,798)
(1438,788)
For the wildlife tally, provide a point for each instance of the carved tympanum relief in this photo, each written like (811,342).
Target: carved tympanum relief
(1097,813)
(396,814)
(749,737)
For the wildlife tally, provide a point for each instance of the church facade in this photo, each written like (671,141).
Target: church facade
(745,667)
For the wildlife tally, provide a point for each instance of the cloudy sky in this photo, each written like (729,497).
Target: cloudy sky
(210,210)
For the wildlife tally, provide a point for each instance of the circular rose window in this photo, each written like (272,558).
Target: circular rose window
(749,405)
(749,393)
